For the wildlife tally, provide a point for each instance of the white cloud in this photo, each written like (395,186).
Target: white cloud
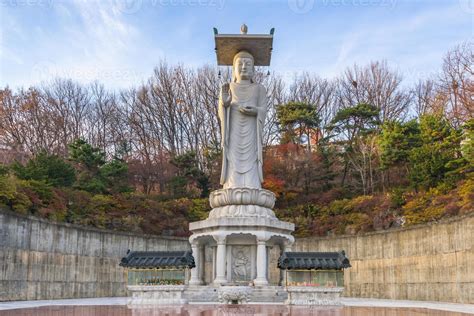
(95,43)
(400,41)
(104,30)
(350,43)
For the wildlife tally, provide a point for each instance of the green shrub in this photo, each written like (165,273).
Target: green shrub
(132,223)
(40,188)
(199,210)
(7,189)
(21,203)
(397,197)
(466,195)
(337,207)
(50,169)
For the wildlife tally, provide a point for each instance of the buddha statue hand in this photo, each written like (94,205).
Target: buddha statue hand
(248,110)
(226,95)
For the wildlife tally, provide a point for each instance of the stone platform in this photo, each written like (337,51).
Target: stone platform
(210,294)
(239,231)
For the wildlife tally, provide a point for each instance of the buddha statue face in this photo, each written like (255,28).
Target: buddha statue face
(243,68)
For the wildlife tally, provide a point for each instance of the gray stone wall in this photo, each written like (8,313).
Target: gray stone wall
(43,260)
(433,262)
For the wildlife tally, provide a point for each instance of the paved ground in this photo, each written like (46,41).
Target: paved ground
(79,301)
(372,302)
(358,302)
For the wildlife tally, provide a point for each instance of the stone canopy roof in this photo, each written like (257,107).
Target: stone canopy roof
(158,259)
(313,261)
(260,46)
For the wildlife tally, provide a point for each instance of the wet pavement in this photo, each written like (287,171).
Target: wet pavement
(224,310)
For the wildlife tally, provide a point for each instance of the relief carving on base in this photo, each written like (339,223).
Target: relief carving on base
(234,294)
(241,265)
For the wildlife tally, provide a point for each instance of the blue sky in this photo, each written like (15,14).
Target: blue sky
(118,42)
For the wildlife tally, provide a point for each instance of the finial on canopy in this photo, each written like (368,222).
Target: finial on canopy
(243,29)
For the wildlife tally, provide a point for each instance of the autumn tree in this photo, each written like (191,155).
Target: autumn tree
(354,128)
(374,84)
(318,92)
(457,83)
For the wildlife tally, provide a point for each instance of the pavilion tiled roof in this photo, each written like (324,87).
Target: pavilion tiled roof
(313,261)
(158,259)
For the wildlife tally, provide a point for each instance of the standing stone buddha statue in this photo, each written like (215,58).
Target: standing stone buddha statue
(241,226)
(242,111)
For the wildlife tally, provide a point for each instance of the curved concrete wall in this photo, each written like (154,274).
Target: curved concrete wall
(433,262)
(44,260)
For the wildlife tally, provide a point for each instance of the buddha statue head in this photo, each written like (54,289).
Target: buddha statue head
(243,67)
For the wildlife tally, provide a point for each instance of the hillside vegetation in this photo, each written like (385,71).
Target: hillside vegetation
(357,153)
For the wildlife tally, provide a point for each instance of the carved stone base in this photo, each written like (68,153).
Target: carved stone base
(241,211)
(242,196)
(234,294)
(307,295)
(242,202)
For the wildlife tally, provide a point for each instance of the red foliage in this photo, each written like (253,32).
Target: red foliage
(274,184)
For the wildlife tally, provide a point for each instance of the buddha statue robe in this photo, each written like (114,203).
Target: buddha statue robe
(242,136)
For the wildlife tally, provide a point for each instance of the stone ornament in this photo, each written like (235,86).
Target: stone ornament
(234,294)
